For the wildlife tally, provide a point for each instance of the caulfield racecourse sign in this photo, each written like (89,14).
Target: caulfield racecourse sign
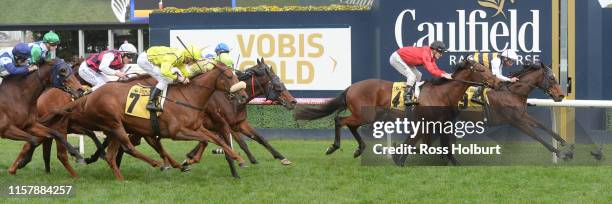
(469,26)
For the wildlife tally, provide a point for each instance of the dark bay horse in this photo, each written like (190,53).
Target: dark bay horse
(18,96)
(224,118)
(508,105)
(103,110)
(52,99)
(377,93)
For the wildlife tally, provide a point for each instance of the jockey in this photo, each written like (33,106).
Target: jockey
(167,65)
(222,51)
(492,61)
(15,61)
(405,60)
(44,50)
(95,69)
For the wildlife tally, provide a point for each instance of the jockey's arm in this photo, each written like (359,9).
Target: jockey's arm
(165,69)
(12,69)
(105,64)
(496,68)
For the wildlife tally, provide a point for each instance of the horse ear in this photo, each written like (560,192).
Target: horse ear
(258,62)
(262,60)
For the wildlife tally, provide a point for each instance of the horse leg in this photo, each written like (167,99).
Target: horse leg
(362,144)
(99,152)
(168,160)
(111,155)
(121,136)
(195,155)
(238,137)
(250,132)
(525,128)
(26,152)
(554,135)
(445,142)
(63,157)
(337,134)
(47,154)
(203,135)
(42,131)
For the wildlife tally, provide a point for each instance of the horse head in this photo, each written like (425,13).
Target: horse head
(544,78)
(262,79)
(59,74)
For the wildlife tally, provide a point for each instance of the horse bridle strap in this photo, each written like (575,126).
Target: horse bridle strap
(183,104)
(470,82)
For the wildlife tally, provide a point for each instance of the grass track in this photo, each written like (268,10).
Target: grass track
(313,177)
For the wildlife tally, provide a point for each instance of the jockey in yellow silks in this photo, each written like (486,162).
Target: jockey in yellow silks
(168,65)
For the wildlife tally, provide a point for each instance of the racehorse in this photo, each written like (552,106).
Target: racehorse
(224,118)
(51,99)
(377,93)
(103,110)
(508,105)
(260,80)
(18,115)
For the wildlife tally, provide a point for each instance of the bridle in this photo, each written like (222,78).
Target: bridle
(484,82)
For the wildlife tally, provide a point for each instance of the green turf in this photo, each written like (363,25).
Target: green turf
(56,12)
(312,178)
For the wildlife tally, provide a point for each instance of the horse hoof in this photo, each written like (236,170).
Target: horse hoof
(12,171)
(243,165)
(164,168)
(332,149)
(357,153)
(598,154)
(254,162)
(185,168)
(286,162)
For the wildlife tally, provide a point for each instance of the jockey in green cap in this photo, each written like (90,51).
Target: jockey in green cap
(44,50)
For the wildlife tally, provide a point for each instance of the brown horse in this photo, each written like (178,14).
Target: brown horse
(18,115)
(103,110)
(52,99)
(224,118)
(508,105)
(260,80)
(377,93)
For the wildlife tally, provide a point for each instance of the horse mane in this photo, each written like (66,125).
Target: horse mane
(526,69)
(137,77)
(439,81)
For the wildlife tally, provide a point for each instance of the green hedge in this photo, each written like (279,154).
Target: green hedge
(264,9)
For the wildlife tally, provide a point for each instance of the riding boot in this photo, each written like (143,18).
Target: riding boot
(408,96)
(477,97)
(152,105)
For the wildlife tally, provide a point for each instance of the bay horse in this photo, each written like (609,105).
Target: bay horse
(508,105)
(18,96)
(49,100)
(103,110)
(377,93)
(224,118)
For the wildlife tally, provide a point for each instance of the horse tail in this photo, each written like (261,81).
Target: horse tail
(337,104)
(60,114)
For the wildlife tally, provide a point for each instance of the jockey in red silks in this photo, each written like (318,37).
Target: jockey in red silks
(405,60)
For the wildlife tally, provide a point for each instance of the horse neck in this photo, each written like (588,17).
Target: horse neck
(202,88)
(520,88)
(455,89)
(27,89)
(253,90)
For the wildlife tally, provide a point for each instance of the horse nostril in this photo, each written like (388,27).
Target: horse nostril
(293,102)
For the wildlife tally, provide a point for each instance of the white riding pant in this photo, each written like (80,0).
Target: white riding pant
(154,71)
(410,72)
(96,79)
